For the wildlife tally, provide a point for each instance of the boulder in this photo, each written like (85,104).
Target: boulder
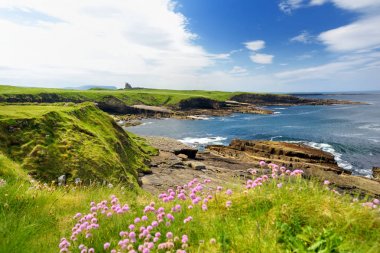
(183,157)
(172,146)
(376,172)
(198,166)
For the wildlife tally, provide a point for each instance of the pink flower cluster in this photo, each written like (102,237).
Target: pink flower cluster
(143,234)
(374,204)
(146,238)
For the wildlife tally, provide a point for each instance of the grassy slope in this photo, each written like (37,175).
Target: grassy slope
(293,218)
(134,96)
(29,111)
(80,140)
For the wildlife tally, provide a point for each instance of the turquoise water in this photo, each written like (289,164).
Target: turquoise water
(350,132)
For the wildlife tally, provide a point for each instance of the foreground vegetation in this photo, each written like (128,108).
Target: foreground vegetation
(281,214)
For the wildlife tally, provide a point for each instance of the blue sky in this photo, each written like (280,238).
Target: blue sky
(261,45)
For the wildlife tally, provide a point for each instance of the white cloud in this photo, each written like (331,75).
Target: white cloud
(237,70)
(288,6)
(360,35)
(345,64)
(97,42)
(304,57)
(318,2)
(262,58)
(357,4)
(255,45)
(304,37)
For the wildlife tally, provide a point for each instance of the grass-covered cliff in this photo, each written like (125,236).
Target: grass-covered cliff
(78,141)
(154,97)
(151,97)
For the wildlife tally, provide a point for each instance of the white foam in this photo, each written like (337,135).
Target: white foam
(275,137)
(146,123)
(277,113)
(375,127)
(218,140)
(329,149)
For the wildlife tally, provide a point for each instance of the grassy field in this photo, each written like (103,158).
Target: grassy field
(287,214)
(30,111)
(133,96)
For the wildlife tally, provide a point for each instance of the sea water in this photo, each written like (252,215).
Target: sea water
(350,132)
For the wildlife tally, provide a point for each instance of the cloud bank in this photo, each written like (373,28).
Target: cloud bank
(97,42)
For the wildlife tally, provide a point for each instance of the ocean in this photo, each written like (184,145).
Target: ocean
(350,132)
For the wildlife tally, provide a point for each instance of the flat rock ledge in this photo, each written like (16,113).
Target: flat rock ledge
(175,165)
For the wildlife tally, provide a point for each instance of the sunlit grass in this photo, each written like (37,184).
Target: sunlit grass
(298,216)
(155,97)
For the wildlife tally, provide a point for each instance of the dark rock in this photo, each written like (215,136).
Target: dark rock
(199,103)
(272,99)
(376,172)
(189,152)
(112,104)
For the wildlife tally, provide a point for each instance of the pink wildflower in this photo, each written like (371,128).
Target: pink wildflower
(106,245)
(169,235)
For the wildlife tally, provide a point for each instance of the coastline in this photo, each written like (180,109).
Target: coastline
(232,163)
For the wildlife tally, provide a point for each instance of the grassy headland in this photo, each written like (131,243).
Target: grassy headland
(78,141)
(154,97)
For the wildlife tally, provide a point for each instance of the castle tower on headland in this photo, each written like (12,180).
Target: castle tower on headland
(128,86)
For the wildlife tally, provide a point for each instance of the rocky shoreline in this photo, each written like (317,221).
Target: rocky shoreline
(201,108)
(176,164)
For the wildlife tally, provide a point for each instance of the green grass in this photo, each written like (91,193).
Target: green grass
(30,111)
(154,97)
(302,216)
(77,141)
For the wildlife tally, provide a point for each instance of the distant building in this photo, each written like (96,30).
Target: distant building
(128,86)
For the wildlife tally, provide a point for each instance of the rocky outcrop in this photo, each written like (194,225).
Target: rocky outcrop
(40,98)
(224,164)
(199,103)
(289,155)
(273,99)
(376,172)
(315,163)
(115,105)
(172,146)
